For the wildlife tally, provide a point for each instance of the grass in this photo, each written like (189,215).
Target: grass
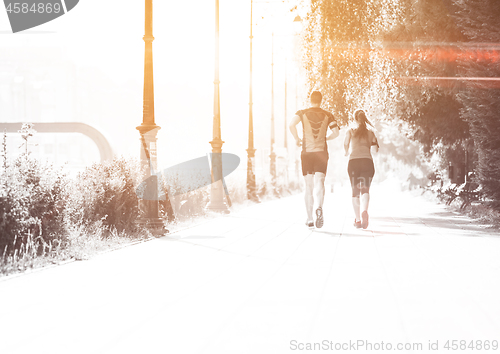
(82,243)
(33,253)
(478,211)
(484,214)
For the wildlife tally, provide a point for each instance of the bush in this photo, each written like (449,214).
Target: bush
(105,193)
(180,202)
(45,216)
(31,203)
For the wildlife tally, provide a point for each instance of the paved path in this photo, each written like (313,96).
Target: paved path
(258,281)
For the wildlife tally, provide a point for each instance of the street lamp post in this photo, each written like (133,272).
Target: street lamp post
(251,188)
(297,163)
(217,192)
(148,130)
(297,20)
(285,142)
(286,94)
(272,154)
(251,150)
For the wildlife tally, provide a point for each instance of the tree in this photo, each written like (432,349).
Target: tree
(478,21)
(358,53)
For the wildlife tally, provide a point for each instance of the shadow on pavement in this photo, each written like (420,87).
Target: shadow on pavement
(191,237)
(447,222)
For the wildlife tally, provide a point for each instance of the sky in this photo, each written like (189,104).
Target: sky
(107,36)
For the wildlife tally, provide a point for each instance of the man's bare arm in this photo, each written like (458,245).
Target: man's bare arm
(335,133)
(293,129)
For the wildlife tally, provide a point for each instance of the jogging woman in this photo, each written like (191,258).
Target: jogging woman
(360,168)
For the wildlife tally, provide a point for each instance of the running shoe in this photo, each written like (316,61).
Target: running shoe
(319,218)
(364,219)
(357,224)
(310,223)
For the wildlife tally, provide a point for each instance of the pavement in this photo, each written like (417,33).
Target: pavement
(259,281)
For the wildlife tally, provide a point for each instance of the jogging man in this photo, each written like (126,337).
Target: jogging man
(314,156)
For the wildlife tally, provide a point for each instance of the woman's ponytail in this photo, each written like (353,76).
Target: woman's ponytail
(360,118)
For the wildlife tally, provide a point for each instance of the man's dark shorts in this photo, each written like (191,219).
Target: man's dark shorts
(313,162)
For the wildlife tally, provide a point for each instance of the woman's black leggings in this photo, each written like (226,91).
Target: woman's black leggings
(361,172)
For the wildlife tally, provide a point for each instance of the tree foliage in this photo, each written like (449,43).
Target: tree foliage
(478,21)
(377,55)
(336,32)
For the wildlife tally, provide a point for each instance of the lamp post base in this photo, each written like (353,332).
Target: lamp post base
(218,207)
(156,226)
(216,202)
(251,185)
(253,197)
(252,192)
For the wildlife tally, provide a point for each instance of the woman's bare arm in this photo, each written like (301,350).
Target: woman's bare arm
(375,143)
(347,142)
